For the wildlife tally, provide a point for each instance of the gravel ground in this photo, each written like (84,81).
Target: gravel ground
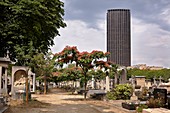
(59,101)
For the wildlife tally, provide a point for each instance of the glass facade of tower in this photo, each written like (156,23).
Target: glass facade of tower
(118,36)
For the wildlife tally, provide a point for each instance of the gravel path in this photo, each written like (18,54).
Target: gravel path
(59,101)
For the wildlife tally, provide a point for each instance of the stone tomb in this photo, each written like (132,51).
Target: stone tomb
(3,75)
(140,81)
(19,75)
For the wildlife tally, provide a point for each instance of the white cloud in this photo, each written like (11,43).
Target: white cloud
(165,14)
(86,28)
(77,33)
(150,44)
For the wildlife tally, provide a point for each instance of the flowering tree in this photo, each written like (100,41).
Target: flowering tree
(85,60)
(70,73)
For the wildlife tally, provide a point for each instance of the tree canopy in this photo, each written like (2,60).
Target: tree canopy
(43,67)
(85,60)
(150,74)
(25,21)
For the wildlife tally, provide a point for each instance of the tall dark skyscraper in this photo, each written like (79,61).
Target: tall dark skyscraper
(118,36)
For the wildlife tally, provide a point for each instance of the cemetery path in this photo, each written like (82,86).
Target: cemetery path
(59,101)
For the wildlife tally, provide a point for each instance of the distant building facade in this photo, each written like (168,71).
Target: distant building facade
(118,36)
(145,67)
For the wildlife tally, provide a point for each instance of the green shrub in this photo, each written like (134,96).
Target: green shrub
(121,91)
(155,103)
(143,94)
(110,96)
(141,107)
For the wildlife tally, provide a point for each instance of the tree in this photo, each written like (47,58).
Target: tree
(85,60)
(23,21)
(72,73)
(44,66)
(150,74)
(69,74)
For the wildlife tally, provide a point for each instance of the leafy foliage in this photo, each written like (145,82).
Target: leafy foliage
(141,107)
(150,74)
(43,64)
(85,60)
(43,67)
(70,73)
(121,91)
(155,103)
(25,21)
(143,94)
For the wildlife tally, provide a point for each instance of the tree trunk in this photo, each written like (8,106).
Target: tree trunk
(85,83)
(27,89)
(45,84)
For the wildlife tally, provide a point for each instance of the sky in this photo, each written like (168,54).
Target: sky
(150,28)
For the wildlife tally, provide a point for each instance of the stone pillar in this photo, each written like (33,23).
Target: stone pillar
(0,79)
(133,97)
(115,80)
(111,83)
(102,84)
(12,84)
(33,83)
(78,83)
(107,83)
(6,81)
(160,80)
(38,83)
(92,82)
(98,85)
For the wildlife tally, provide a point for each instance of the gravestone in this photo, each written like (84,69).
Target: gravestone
(123,77)
(160,94)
